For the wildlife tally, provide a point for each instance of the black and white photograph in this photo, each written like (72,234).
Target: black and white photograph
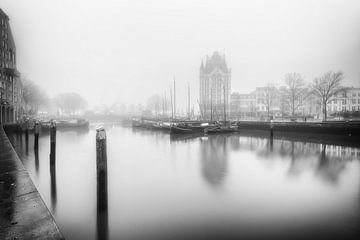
(179,119)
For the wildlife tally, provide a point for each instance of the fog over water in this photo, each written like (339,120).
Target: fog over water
(125,51)
(198,187)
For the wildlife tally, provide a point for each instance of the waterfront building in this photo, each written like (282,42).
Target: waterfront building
(254,104)
(215,87)
(347,101)
(243,105)
(267,97)
(10,85)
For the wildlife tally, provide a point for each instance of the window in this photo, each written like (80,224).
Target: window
(353,108)
(353,101)
(354,94)
(335,101)
(358,101)
(344,101)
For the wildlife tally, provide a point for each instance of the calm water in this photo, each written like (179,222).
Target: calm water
(216,187)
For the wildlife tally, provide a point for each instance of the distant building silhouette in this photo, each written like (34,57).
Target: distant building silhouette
(10,84)
(215,79)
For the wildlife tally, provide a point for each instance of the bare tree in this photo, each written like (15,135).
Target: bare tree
(70,102)
(269,97)
(326,87)
(296,92)
(34,96)
(283,103)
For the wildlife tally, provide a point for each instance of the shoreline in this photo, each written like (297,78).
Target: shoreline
(24,213)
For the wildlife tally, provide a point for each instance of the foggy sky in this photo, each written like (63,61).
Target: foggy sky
(125,51)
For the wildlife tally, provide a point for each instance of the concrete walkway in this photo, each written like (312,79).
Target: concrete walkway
(23,214)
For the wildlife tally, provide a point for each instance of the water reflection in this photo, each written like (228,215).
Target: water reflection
(330,168)
(213,154)
(53,188)
(27,145)
(102,225)
(260,185)
(36,156)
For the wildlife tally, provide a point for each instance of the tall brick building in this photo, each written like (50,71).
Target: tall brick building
(215,87)
(10,85)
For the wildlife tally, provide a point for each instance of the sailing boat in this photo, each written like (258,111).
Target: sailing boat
(219,128)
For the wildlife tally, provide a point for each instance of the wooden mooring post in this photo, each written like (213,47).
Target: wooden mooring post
(26,130)
(52,143)
(101,169)
(101,155)
(37,128)
(271,130)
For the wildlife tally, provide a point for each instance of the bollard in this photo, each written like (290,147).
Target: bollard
(101,156)
(271,129)
(52,143)
(101,169)
(36,135)
(26,130)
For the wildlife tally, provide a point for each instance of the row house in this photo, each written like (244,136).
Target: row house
(347,101)
(11,96)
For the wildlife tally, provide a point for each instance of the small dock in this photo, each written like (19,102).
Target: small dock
(23,213)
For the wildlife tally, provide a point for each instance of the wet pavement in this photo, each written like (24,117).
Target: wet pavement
(23,213)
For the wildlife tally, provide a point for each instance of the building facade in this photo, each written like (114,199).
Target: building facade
(255,104)
(215,87)
(348,101)
(10,85)
(243,105)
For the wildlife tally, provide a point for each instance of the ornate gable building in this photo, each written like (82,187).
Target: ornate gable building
(215,87)
(10,84)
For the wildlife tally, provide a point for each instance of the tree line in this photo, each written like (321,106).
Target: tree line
(36,99)
(292,96)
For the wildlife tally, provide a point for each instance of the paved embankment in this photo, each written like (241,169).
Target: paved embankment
(23,213)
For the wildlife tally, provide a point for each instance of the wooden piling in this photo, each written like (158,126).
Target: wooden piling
(27,130)
(101,156)
(271,129)
(101,169)
(52,143)
(36,135)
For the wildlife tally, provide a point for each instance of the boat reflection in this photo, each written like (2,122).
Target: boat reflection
(102,219)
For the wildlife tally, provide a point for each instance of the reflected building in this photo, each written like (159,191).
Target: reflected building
(213,153)
(326,161)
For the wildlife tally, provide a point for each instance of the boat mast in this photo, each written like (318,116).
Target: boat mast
(211,106)
(165,103)
(224,107)
(189,101)
(174,99)
(171,102)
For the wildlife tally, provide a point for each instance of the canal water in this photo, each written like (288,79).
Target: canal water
(197,187)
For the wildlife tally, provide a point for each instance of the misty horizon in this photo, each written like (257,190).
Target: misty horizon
(124,52)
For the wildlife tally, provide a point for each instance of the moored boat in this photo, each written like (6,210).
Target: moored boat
(219,129)
(180,130)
